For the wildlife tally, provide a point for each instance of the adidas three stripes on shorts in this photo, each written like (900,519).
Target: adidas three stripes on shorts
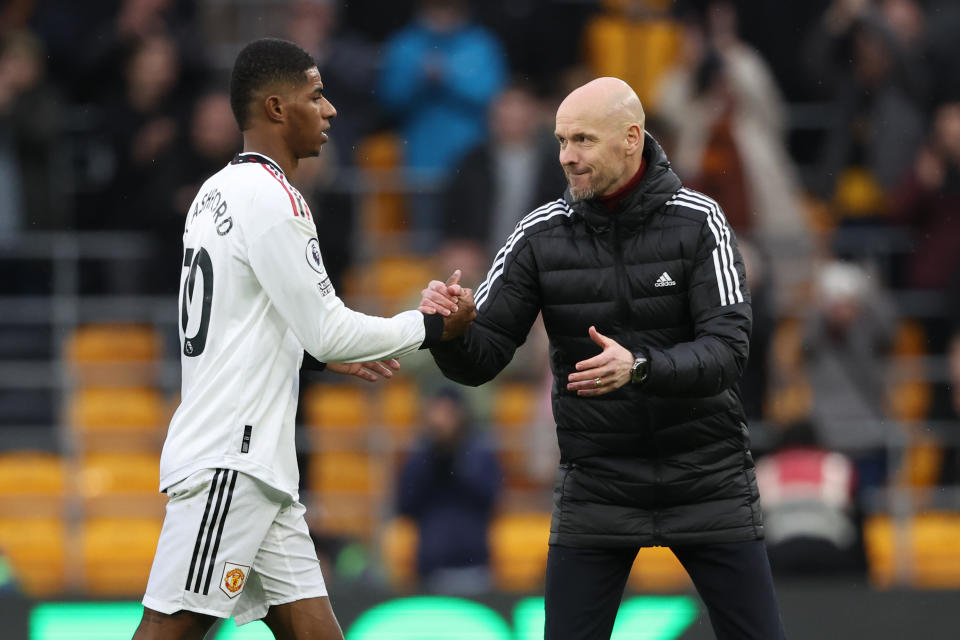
(232,546)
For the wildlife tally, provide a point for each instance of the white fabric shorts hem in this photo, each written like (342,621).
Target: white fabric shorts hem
(172,607)
(258,611)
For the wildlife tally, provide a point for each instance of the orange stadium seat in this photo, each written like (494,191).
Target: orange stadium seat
(36,548)
(384,210)
(398,549)
(346,472)
(514,404)
(31,472)
(923,553)
(400,410)
(121,483)
(32,484)
(113,343)
(118,418)
(328,406)
(638,51)
(657,569)
(114,354)
(117,554)
(518,550)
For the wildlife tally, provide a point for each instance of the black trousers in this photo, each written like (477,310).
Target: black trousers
(584,588)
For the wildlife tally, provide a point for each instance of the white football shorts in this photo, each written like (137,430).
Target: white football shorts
(232,546)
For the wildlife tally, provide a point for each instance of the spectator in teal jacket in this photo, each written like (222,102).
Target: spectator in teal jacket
(440,73)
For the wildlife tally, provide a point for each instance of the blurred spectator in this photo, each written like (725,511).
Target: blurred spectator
(208,144)
(449,486)
(439,75)
(864,70)
(30,114)
(847,340)
(928,202)
(348,65)
(809,515)
(727,123)
(145,123)
(634,40)
(506,177)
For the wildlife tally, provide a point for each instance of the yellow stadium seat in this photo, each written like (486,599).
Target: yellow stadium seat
(638,51)
(113,343)
(351,515)
(514,404)
(398,550)
(32,483)
(36,548)
(400,409)
(119,473)
(118,418)
(117,554)
(345,472)
(518,550)
(31,472)
(336,407)
(383,210)
(121,484)
(114,409)
(924,553)
(657,569)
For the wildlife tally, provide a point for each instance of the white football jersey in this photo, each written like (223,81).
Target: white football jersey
(253,296)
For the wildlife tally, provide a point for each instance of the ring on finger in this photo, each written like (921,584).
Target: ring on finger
(598,381)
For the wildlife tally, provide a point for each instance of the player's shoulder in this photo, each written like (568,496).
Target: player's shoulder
(270,196)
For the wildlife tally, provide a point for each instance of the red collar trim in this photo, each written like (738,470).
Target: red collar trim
(611,201)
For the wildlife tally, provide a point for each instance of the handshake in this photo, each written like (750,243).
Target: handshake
(453,302)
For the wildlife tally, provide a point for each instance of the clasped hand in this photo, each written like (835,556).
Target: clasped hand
(453,302)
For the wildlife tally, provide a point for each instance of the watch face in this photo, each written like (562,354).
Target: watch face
(638,373)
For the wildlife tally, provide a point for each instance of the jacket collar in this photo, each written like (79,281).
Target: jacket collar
(657,186)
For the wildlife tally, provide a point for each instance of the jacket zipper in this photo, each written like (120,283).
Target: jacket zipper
(623,310)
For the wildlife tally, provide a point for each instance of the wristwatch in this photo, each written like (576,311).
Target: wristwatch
(640,368)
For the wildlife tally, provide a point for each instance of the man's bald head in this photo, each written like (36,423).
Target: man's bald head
(600,130)
(605,101)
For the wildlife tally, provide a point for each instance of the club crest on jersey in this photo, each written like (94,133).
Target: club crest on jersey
(234,577)
(313,255)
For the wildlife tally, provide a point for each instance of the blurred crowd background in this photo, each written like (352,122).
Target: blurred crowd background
(828,130)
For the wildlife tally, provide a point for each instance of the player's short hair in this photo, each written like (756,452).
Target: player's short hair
(261,63)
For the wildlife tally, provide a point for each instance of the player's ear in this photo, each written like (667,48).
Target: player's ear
(273,107)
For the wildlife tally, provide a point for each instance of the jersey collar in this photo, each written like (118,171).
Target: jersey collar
(250,156)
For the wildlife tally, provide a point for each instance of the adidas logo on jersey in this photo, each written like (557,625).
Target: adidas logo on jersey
(664,280)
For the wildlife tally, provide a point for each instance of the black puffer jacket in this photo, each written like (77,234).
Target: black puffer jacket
(667,462)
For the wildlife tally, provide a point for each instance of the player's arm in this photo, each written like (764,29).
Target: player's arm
(286,260)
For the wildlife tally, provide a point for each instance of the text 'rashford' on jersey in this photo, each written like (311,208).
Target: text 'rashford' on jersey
(254,295)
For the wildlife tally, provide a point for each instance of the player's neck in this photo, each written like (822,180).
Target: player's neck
(273,148)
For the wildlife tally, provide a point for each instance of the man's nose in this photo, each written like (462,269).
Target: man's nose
(331,111)
(567,156)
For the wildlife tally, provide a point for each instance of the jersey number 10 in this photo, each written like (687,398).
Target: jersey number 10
(199,259)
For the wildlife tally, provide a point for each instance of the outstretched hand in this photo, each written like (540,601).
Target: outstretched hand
(602,373)
(441,297)
(369,371)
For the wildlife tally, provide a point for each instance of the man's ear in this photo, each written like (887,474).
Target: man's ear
(273,107)
(634,139)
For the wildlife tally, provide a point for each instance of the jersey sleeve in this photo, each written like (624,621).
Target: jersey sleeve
(285,258)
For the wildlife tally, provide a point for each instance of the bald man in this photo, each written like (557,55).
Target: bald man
(644,299)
